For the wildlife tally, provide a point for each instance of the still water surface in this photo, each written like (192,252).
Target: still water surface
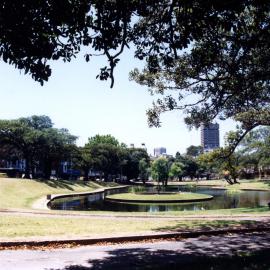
(222,200)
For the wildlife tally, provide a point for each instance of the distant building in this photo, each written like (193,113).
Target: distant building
(142,146)
(210,137)
(159,151)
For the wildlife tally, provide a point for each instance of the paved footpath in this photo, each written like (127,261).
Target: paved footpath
(158,255)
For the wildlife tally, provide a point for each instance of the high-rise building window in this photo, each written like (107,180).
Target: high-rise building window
(210,136)
(159,151)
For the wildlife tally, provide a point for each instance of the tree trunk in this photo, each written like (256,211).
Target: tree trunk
(33,173)
(27,168)
(235,180)
(86,174)
(47,169)
(227,178)
(165,182)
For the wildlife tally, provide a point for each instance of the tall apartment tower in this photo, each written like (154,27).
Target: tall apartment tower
(159,151)
(209,137)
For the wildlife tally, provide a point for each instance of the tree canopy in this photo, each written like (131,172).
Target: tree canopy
(216,51)
(36,141)
(41,148)
(136,163)
(194,151)
(160,170)
(33,32)
(104,154)
(254,152)
(176,170)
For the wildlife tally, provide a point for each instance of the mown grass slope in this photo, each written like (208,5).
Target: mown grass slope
(19,193)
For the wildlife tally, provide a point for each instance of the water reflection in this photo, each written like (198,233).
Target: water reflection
(222,200)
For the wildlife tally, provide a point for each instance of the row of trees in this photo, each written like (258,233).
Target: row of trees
(250,160)
(104,154)
(178,167)
(43,148)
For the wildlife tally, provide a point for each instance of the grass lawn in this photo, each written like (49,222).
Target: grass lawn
(19,193)
(262,185)
(221,212)
(184,196)
(244,184)
(21,226)
(258,211)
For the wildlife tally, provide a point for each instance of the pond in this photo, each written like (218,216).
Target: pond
(223,199)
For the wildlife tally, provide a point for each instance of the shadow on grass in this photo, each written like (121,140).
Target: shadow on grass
(249,210)
(105,184)
(267,182)
(66,184)
(213,225)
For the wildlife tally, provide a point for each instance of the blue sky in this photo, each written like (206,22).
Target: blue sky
(76,100)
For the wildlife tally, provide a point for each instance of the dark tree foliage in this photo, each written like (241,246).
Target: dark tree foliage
(194,151)
(190,165)
(38,122)
(226,70)
(131,167)
(55,146)
(254,153)
(35,31)
(84,160)
(36,141)
(102,153)
(216,51)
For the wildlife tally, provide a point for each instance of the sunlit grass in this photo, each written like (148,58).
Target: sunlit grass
(257,211)
(183,196)
(19,193)
(243,184)
(21,226)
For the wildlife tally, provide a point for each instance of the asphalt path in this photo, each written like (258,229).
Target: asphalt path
(156,255)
